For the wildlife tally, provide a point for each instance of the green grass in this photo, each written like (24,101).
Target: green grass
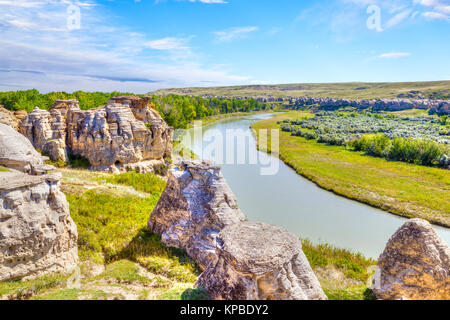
(124,271)
(401,188)
(148,183)
(347,90)
(147,249)
(112,228)
(4,169)
(25,289)
(343,274)
(353,265)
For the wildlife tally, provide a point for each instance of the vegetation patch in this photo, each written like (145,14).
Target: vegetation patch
(405,189)
(343,274)
(148,183)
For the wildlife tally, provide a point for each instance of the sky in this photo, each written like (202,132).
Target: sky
(143,45)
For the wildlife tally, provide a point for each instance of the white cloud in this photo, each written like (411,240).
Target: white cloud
(435,15)
(394,55)
(168,43)
(38,51)
(399,17)
(209,1)
(234,33)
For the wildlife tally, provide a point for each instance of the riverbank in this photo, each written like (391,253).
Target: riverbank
(404,189)
(213,119)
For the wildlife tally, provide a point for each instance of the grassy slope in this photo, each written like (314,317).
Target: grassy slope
(404,189)
(111,214)
(350,90)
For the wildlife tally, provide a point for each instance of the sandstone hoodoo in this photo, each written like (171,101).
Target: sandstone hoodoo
(257,261)
(196,204)
(37,234)
(414,265)
(127,133)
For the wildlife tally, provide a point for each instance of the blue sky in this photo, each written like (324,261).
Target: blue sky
(138,46)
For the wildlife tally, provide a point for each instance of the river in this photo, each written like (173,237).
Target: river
(295,203)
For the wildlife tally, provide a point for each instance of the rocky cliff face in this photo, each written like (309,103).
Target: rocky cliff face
(37,235)
(414,265)
(196,204)
(198,212)
(257,261)
(127,133)
(374,104)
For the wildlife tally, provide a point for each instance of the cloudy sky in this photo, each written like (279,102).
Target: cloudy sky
(143,45)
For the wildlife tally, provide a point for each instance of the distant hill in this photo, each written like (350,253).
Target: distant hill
(347,90)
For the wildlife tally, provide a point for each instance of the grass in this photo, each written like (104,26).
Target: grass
(347,90)
(111,214)
(343,274)
(21,290)
(4,169)
(147,183)
(404,189)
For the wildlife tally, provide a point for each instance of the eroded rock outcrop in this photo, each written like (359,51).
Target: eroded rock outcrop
(196,204)
(442,108)
(37,234)
(198,212)
(257,261)
(414,265)
(127,133)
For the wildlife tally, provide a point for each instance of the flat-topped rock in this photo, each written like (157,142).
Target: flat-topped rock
(257,261)
(15,179)
(414,265)
(258,247)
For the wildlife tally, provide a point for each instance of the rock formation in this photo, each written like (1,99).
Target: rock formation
(127,133)
(414,265)
(37,235)
(196,204)
(436,106)
(198,212)
(257,261)
(442,108)
(7,117)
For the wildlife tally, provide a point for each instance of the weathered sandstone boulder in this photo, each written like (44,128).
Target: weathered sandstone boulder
(7,117)
(196,204)
(257,261)
(16,151)
(414,265)
(37,235)
(127,133)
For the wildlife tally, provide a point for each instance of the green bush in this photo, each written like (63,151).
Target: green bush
(418,151)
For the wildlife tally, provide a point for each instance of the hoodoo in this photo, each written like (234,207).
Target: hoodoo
(127,133)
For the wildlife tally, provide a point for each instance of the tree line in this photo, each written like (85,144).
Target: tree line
(178,111)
